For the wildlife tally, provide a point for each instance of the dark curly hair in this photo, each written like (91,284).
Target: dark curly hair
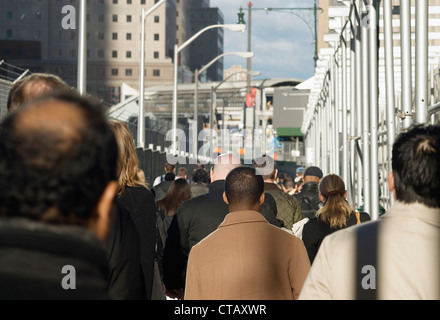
(57,155)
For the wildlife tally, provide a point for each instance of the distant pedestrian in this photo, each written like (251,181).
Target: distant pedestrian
(336,214)
(131,250)
(397,256)
(160,190)
(308,197)
(200,182)
(288,209)
(169,168)
(246,258)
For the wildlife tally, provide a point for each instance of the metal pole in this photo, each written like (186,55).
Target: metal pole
(344,110)
(366,117)
(174,113)
(141,117)
(389,74)
(358,45)
(374,119)
(405,40)
(353,111)
(249,62)
(334,131)
(82,48)
(196,113)
(337,112)
(421,61)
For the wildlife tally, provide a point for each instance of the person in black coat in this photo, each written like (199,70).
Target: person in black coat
(336,214)
(131,247)
(194,220)
(57,188)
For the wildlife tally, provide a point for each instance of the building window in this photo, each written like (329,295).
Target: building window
(114,36)
(129,18)
(115,72)
(156,54)
(128,54)
(129,72)
(115,18)
(156,37)
(156,19)
(156,73)
(128,36)
(114,54)
(101,36)
(115,1)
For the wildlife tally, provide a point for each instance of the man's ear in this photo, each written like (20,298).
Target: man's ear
(262,197)
(322,198)
(225,199)
(391,184)
(101,218)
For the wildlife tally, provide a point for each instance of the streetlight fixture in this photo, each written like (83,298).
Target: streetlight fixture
(196,92)
(141,118)
(177,50)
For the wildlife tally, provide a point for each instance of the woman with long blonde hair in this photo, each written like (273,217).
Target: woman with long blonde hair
(133,263)
(336,214)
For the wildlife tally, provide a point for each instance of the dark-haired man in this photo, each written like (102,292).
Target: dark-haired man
(246,258)
(396,257)
(32,87)
(58,160)
(287,207)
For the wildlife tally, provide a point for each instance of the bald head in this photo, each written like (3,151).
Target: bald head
(224,164)
(32,87)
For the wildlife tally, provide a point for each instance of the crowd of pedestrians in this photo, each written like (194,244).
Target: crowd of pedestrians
(79,221)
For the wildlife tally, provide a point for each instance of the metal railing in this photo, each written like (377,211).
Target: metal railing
(360,79)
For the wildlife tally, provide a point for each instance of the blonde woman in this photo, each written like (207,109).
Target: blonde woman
(336,214)
(134,201)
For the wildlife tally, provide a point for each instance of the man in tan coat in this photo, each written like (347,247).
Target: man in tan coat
(246,258)
(397,256)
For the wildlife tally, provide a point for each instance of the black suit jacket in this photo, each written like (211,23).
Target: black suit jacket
(131,245)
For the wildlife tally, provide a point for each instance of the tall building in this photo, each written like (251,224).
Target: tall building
(209,45)
(43,37)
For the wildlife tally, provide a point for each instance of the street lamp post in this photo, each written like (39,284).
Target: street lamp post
(141,117)
(196,92)
(82,49)
(177,50)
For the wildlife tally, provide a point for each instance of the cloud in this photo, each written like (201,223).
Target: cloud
(282,42)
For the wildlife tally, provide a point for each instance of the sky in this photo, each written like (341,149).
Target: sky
(282,42)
